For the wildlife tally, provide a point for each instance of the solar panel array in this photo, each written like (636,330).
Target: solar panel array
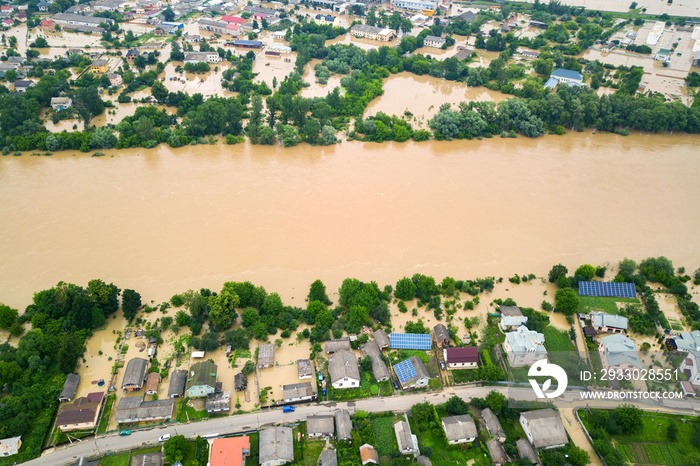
(405,370)
(609,289)
(413,341)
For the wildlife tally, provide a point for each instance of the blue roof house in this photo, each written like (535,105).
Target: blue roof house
(412,373)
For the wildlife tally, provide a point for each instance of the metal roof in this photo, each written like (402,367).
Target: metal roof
(459,427)
(609,320)
(276,443)
(202,373)
(546,428)
(70,387)
(178,379)
(135,372)
(567,74)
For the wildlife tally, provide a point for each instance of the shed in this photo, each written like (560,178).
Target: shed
(442,336)
(178,379)
(266,355)
(219,402)
(343,425)
(135,374)
(304,368)
(493,425)
(497,453)
(276,446)
(70,387)
(328,458)
(240,382)
(333,346)
(368,454)
(407,442)
(526,452)
(379,369)
(381,338)
(152,381)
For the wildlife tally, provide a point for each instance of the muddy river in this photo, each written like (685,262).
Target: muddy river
(162,221)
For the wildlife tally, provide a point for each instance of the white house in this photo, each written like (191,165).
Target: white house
(433,41)
(343,370)
(459,429)
(407,442)
(689,367)
(205,57)
(608,323)
(511,317)
(524,347)
(618,352)
(461,358)
(60,103)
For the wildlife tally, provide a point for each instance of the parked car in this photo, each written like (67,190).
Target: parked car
(125,432)
(442,365)
(395,384)
(164,437)
(288,409)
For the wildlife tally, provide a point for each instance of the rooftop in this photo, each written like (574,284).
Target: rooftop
(546,428)
(343,364)
(567,74)
(229,451)
(266,355)
(320,425)
(202,373)
(466,354)
(523,340)
(297,390)
(276,443)
(459,427)
(609,320)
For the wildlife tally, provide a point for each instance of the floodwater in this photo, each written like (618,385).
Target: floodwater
(165,220)
(653,7)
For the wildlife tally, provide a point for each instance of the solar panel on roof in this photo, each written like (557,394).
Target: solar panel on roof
(607,289)
(405,370)
(410,341)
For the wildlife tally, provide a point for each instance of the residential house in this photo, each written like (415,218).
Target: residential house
(276,446)
(663,55)
(435,42)
(689,367)
(618,352)
(326,20)
(178,380)
(69,19)
(82,414)
(511,317)
(320,426)
(21,85)
(328,458)
(114,79)
(10,446)
(407,442)
(464,54)
(240,382)
(379,369)
(304,369)
(298,392)
(152,381)
(43,6)
(544,428)
(608,323)
(230,451)
(368,454)
(442,336)
(61,103)
(218,402)
(343,370)
(688,341)
(132,54)
(466,357)
(336,345)
(134,409)
(372,32)
(382,339)
(99,66)
(343,425)
(526,452)
(201,380)
(47,24)
(278,36)
(493,425)
(497,453)
(459,429)
(135,374)
(467,16)
(415,5)
(202,57)
(568,77)
(193,38)
(70,387)
(412,373)
(524,347)
(266,355)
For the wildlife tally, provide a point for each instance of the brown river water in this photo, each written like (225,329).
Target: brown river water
(164,220)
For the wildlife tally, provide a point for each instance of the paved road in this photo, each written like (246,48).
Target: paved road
(253,421)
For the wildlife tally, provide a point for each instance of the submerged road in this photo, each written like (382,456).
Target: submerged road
(99,446)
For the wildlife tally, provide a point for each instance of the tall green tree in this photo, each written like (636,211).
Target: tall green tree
(131,302)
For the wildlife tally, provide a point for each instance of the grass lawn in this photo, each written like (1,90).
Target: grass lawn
(121,459)
(384,435)
(312,450)
(106,414)
(587,304)
(557,340)
(405,354)
(252,460)
(444,454)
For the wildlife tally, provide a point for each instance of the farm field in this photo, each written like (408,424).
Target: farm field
(587,304)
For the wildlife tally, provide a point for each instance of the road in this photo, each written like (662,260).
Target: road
(248,422)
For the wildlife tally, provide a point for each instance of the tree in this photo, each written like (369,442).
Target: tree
(131,302)
(671,431)
(566,301)
(366,363)
(182,319)
(496,401)
(627,267)
(8,316)
(405,289)
(175,448)
(328,135)
(223,307)
(629,418)
(556,272)
(456,406)
(585,272)
(168,14)
(88,103)
(248,368)
(159,91)
(106,296)
(317,292)
(39,43)
(249,317)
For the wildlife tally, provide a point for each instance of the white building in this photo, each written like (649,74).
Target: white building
(414,5)
(689,367)
(524,347)
(202,57)
(618,352)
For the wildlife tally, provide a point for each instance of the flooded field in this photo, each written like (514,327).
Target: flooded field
(653,7)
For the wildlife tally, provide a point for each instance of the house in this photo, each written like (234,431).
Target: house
(132,54)
(343,425)
(560,75)
(328,458)
(412,373)
(233,19)
(589,331)
(218,402)
(372,32)
(343,370)
(336,345)
(618,352)
(178,380)
(266,355)
(202,379)
(688,341)
(82,414)
(382,339)
(47,24)
(413,341)
(230,451)
(326,19)
(464,54)
(43,6)
(210,25)
(21,85)
(663,55)
(304,369)
(320,426)
(152,381)
(202,57)
(433,41)
(135,374)
(70,19)
(493,425)
(276,446)
(240,382)
(415,5)
(523,347)
(10,446)
(114,79)
(689,367)
(379,369)
(61,103)
(368,454)
(134,409)
(442,336)
(197,354)
(70,387)
(511,317)
(497,453)
(608,323)
(194,38)
(459,429)
(407,442)
(528,54)
(544,428)
(298,392)
(278,36)
(466,357)
(526,452)
(99,66)
(467,17)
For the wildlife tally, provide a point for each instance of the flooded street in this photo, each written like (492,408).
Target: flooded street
(165,220)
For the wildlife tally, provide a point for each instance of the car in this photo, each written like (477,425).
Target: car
(288,409)
(442,365)
(395,384)
(164,437)
(125,432)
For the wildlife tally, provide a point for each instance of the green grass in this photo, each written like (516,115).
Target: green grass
(374,389)
(587,304)
(121,459)
(384,435)
(312,450)
(465,375)
(405,354)
(252,460)
(448,455)
(106,414)
(557,340)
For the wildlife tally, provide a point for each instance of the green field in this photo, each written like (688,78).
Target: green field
(652,453)
(312,450)
(384,435)
(557,340)
(587,304)
(465,375)
(448,455)
(121,459)
(106,414)
(252,460)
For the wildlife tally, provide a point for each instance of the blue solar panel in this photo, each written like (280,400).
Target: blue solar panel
(410,341)
(610,289)
(405,370)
